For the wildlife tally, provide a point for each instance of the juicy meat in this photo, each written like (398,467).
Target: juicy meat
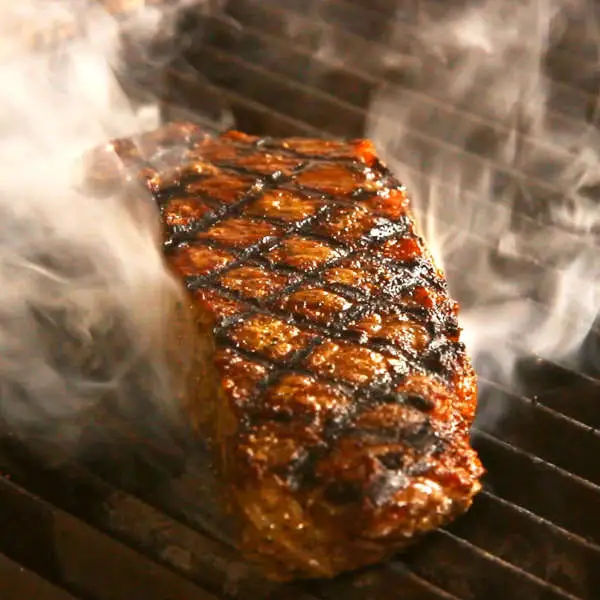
(333,378)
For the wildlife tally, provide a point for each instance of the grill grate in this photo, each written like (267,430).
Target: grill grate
(132,524)
(165,530)
(14,579)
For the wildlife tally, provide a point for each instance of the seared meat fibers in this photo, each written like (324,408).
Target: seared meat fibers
(333,379)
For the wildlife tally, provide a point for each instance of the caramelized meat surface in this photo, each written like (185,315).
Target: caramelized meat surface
(340,394)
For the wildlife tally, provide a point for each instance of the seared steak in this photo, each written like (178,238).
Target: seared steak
(331,375)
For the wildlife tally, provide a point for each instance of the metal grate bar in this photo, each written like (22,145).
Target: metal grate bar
(21,584)
(528,481)
(577,44)
(405,10)
(68,552)
(362,20)
(575,39)
(482,209)
(392,580)
(578,401)
(471,573)
(542,380)
(532,544)
(524,266)
(295,25)
(184,91)
(534,428)
(535,377)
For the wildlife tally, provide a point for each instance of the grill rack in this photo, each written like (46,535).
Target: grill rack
(110,528)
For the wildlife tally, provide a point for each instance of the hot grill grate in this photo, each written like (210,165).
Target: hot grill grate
(131,525)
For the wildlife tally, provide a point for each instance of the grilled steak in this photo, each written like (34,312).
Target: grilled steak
(330,371)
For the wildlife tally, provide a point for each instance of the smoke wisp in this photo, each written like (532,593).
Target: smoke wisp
(85,302)
(504,185)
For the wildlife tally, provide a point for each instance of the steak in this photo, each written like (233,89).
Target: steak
(330,375)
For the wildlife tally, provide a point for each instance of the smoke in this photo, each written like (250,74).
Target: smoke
(86,305)
(509,201)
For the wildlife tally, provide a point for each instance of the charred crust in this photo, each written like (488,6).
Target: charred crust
(393,460)
(419,402)
(343,492)
(385,485)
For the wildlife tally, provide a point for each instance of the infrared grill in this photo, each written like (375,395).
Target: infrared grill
(132,516)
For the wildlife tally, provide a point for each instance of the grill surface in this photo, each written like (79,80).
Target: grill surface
(132,517)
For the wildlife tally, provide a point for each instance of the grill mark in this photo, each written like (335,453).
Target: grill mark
(432,358)
(362,398)
(337,330)
(269,181)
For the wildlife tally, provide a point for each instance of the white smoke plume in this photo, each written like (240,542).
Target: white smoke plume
(85,299)
(507,201)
